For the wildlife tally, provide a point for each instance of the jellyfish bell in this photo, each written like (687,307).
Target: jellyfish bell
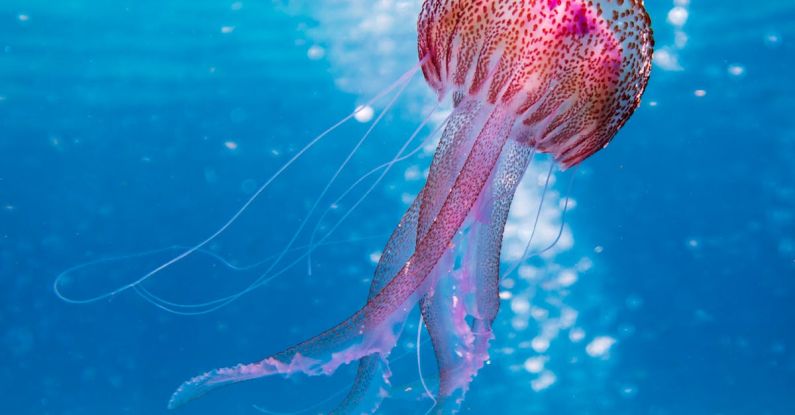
(524,76)
(572,71)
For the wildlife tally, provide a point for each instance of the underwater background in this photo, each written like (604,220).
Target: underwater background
(132,126)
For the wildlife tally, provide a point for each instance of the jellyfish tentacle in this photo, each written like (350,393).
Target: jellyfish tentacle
(472,291)
(371,382)
(373,371)
(526,252)
(438,318)
(418,344)
(371,330)
(452,151)
(337,394)
(559,234)
(305,409)
(488,244)
(453,148)
(492,217)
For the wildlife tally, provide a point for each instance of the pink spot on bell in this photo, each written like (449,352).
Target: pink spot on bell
(581,21)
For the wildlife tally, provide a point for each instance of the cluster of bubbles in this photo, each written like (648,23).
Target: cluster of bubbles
(666,57)
(673,40)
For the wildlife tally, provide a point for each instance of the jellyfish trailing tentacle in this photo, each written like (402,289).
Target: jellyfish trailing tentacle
(270,274)
(371,330)
(264,277)
(136,285)
(372,376)
(452,152)
(385,168)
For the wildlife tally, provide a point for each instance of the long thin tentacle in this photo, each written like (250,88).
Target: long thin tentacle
(401,82)
(268,275)
(176,308)
(222,302)
(386,170)
(418,343)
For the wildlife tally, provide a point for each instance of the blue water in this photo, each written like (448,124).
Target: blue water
(128,126)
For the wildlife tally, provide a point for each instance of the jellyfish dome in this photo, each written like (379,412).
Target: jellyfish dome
(572,71)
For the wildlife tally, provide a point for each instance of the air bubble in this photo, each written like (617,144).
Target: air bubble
(364,113)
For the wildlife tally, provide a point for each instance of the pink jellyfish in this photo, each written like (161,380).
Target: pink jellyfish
(525,76)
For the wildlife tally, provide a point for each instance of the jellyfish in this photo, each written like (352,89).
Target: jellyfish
(524,77)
